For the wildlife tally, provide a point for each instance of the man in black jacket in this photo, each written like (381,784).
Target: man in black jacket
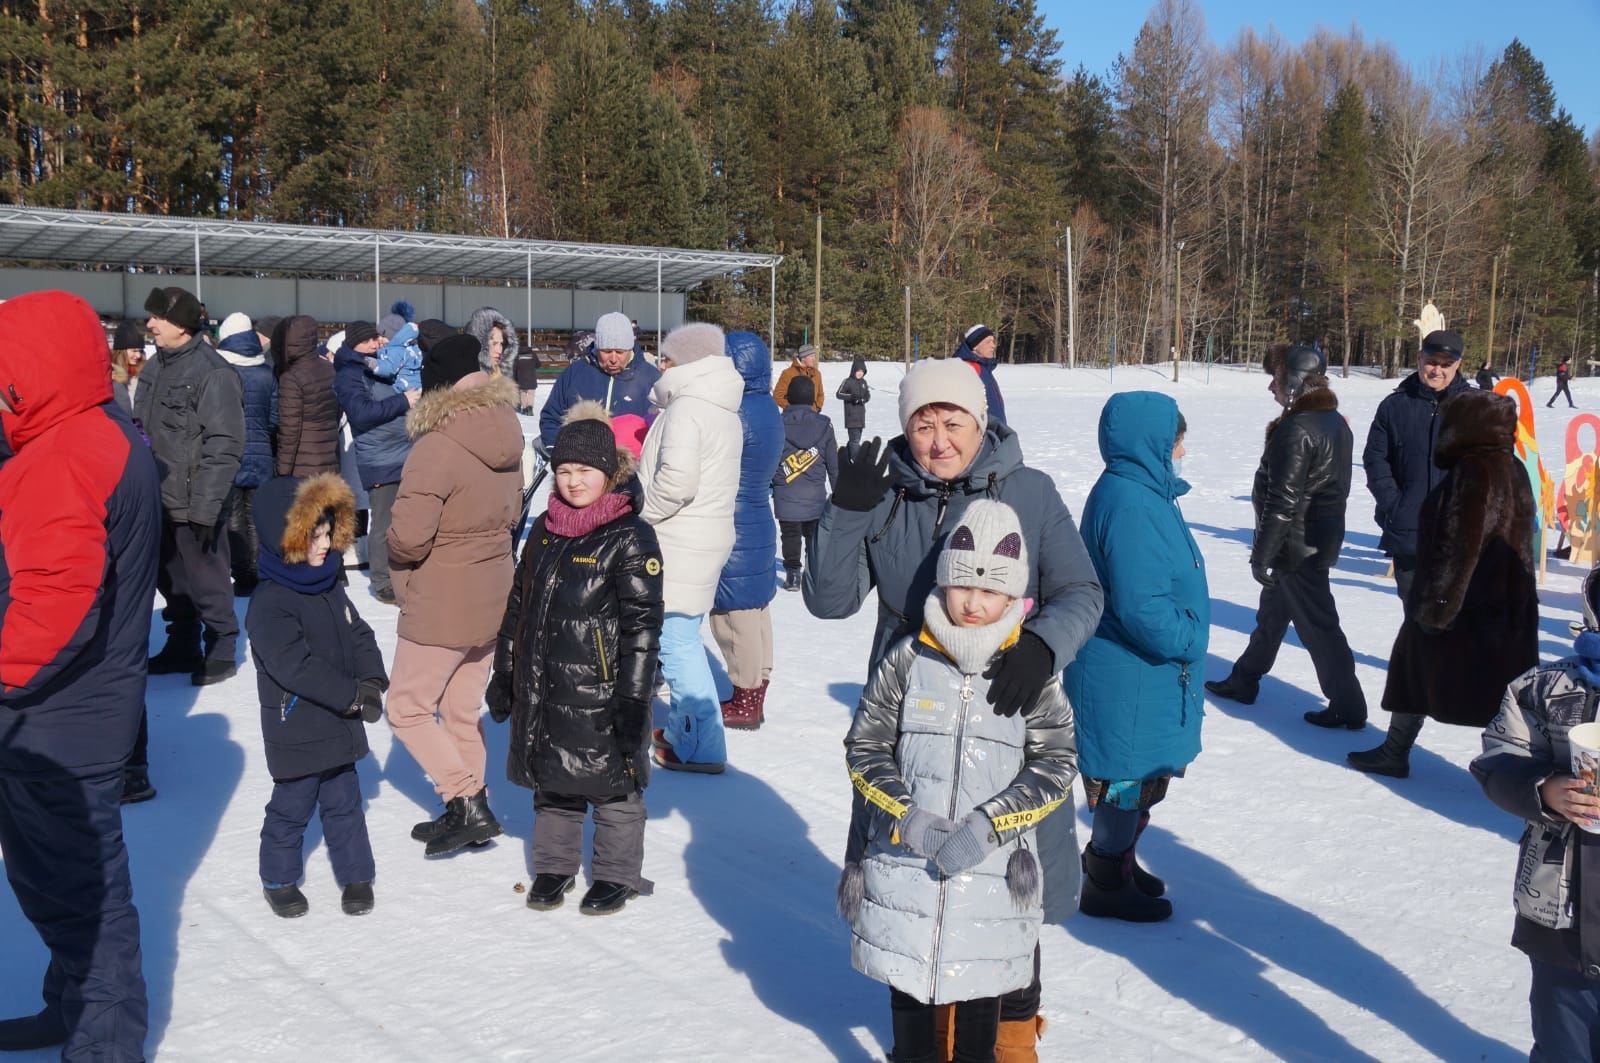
(191,404)
(1563,376)
(1300,492)
(1400,473)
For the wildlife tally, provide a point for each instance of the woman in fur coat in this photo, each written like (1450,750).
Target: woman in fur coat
(1473,620)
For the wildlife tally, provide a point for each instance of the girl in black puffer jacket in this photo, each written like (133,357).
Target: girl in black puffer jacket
(575,666)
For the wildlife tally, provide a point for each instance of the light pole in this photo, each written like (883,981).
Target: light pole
(1177,305)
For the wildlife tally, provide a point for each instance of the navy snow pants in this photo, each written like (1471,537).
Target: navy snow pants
(1566,1016)
(61,838)
(337,793)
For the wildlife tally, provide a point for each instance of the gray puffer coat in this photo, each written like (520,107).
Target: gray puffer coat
(191,405)
(923,736)
(895,548)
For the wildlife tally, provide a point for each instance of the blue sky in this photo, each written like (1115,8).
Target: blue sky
(1563,34)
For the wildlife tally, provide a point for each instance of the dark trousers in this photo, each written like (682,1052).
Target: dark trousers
(380,502)
(794,534)
(977,1024)
(1561,389)
(618,836)
(854,436)
(243,542)
(1114,829)
(61,838)
(1566,1016)
(337,793)
(140,757)
(1302,596)
(198,588)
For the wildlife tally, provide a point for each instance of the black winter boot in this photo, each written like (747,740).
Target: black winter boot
(467,821)
(357,899)
(177,656)
(549,892)
(429,829)
(136,784)
(1393,757)
(605,898)
(30,1032)
(1144,881)
(214,670)
(791,579)
(287,901)
(1234,688)
(1333,718)
(1109,892)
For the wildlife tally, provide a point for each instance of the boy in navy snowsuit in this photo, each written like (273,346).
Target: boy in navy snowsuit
(319,675)
(806,473)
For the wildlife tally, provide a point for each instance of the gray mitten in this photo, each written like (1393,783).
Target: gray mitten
(968,846)
(923,832)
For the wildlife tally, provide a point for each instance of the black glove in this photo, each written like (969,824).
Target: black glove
(498,697)
(864,479)
(205,534)
(629,724)
(1017,675)
(369,700)
(1263,577)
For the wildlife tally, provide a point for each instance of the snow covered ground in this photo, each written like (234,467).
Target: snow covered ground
(1320,914)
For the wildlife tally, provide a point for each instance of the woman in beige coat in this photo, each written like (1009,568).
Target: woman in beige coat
(451,557)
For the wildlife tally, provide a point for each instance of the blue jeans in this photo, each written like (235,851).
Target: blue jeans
(1566,1016)
(694,723)
(337,793)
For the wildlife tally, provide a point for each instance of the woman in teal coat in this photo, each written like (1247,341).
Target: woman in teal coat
(1134,686)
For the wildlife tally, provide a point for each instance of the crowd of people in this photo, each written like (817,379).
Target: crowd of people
(1014,652)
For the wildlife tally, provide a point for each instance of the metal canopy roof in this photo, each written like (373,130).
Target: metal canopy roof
(207,245)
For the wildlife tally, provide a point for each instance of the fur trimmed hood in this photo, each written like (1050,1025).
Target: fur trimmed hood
(590,410)
(479,325)
(1475,420)
(287,512)
(481,391)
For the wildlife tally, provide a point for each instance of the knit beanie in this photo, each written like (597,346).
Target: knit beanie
(431,331)
(359,332)
(692,342)
(389,325)
(234,324)
(586,442)
(943,380)
(449,360)
(177,306)
(266,325)
(806,351)
(986,550)
(129,334)
(630,430)
(613,332)
(801,392)
(976,335)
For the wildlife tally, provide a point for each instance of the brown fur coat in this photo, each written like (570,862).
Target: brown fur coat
(1472,622)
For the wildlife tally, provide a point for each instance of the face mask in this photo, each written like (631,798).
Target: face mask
(1177,467)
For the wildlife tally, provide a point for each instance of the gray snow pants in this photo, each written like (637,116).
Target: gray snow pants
(618,837)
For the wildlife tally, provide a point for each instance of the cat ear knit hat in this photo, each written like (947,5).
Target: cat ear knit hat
(986,550)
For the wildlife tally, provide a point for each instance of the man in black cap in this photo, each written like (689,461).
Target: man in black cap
(191,404)
(1400,473)
(1563,376)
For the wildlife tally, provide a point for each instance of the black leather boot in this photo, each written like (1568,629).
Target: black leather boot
(1234,688)
(1393,757)
(1109,892)
(180,654)
(468,821)
(549,892)
(428,830)
(604,898)
(1333,718)
(30,1032)
(136,784)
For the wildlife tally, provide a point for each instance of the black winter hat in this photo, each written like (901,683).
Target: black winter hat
(801,392)
(177,306)
(586,442)
(266,326)
(430,331)
(130,334)
(449,360)
(1443,341)
(1300,362)
(359,332)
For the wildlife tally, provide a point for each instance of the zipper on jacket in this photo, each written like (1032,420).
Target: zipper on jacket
(966,694)
(899,496)
(944,504)
(286,706)
(611,382)
(600,647)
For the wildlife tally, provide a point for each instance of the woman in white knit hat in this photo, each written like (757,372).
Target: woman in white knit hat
(689,471)
(891,509)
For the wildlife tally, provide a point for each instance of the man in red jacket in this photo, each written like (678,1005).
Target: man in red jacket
(80,535)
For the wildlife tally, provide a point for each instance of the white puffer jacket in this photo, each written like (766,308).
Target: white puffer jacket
(689,471)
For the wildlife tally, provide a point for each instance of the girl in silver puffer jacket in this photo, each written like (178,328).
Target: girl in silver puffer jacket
(945,905)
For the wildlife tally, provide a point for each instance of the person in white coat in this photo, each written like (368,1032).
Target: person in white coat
(689,471)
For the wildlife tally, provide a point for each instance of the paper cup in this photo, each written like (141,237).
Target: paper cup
(1584,742)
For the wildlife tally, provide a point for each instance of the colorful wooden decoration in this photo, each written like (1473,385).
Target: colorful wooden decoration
(1577,505)
(1544,513)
